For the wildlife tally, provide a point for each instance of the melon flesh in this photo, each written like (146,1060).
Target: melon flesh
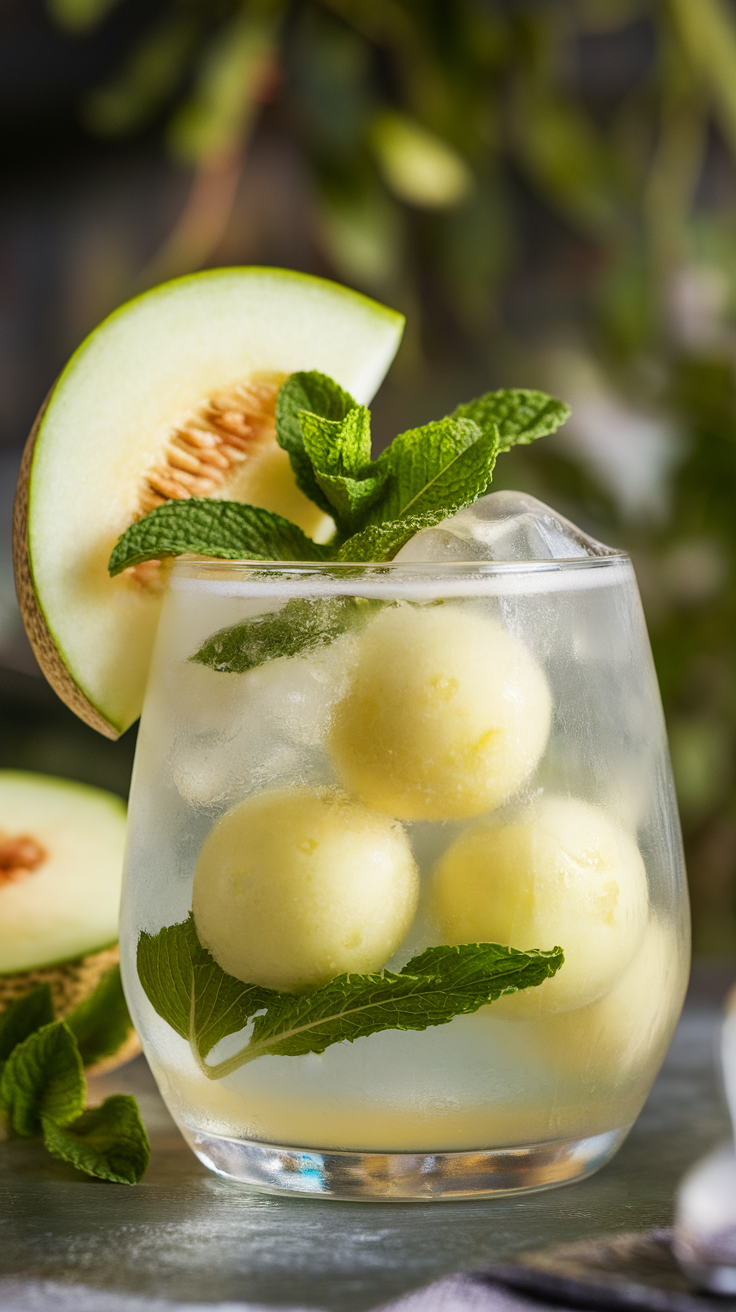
(148,373)
(67,906)
(296,885)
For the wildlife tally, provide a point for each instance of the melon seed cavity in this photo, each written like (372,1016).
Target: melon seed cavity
(19,857)
(202,453)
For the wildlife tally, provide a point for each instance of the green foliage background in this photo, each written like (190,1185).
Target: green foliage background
(542,222)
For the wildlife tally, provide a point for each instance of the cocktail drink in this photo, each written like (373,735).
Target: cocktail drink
(404,912)
(456,755)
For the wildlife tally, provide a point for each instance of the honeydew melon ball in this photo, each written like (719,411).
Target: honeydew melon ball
(446,716)
(624,1032)
(297,885)
(562,874)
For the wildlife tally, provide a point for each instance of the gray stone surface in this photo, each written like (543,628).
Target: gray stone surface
(184,1236)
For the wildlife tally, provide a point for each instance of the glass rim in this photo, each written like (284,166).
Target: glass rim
(193,566)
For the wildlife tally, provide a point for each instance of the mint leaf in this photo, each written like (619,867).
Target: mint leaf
(202,1003)
(520,415)
(382,541)
(101,1023)
(320,395)
(24,1017)
(301,626)
(339,447)
(170,964)
(227,530)
(221,1005)
(439,468)
(43,1077)
(351,499)
(430,473)
(432,988)
(164,962)
(108,1142)
(340,454)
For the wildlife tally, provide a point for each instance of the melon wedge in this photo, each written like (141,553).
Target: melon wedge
(173,395)
(61,861)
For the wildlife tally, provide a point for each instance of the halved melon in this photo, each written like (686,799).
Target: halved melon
(172,396)
(61,861)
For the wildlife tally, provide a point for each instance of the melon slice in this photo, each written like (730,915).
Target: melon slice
(61,861)
(172,396)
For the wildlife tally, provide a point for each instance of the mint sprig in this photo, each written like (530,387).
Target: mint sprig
(435,470)
(43,1089)
(424,476)
(187,988)
(382,541)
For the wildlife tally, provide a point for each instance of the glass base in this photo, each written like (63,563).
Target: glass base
(407,1177)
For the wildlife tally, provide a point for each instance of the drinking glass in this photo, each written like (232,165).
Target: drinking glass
(491,739)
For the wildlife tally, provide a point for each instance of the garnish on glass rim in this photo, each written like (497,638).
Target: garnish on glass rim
(424,476)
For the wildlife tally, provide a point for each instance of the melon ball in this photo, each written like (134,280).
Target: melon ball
(626,1031)
(446,716)
(561,874)
(296,885)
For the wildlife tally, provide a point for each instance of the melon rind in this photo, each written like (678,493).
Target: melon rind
(68,908)
(71,983)
(145,369)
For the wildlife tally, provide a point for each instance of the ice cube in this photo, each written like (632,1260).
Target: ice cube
(503,526)
(277,717)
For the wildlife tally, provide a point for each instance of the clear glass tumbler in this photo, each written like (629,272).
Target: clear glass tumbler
(364,762)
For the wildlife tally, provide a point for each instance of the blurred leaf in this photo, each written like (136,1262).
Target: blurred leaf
(361,233)
(701,762)
(477,247)
(230,80)
(708,32)
(704,390)
(624,301)
(597,14)
(79,15)
(416,165)
(146,82)
(561,151)
(329,69)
